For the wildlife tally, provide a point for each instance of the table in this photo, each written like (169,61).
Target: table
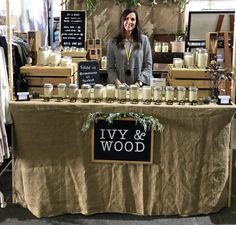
(53,173)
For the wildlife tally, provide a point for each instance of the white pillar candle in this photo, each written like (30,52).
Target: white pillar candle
(202,58)
(98,92)
(181,93)
(47,90)
(133,93)
(169,93)
(193,91)
(188,59)
(110,92)
(147,93)
(157,93)
(61,88)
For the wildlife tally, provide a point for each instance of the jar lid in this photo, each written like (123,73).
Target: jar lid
(122,86)
(202,50)
(194,89)
(72,86)
(98,86)
(133,86)
(85,86)
(181,88)
(48,85)
(61,85)
(110,86)
(158,88)
(169,88)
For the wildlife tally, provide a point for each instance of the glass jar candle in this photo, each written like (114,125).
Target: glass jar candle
(147,94)
(165,47)
(169,94)
(54,58)
(193,91)
(202,58)
(181,94)
(66,61)
(43,55)
(85,92)
(47,91)
(122,93)
(98,92)
(61,88)
(178,62)
(110,92)
(73,92)
(104,62)
(188,59)
(133,93)
(157,94)
(157,47)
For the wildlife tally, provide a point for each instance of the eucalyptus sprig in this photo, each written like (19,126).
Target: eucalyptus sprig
(147,122)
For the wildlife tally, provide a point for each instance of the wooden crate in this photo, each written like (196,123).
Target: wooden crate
(37,76)
(190,77)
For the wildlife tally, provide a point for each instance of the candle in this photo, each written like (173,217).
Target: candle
(165,47)
(61,88)
(178,63)
(188,59)
(47,91)
(157,94)
(122,93)
(147,94)
(98,92)
(169,94)
(133,93)
(104,62)
(66,61)
(202,58)
(43,55)
(193,94)
(85,91)
(54,58)
(73,92)
(110,92)
(157,47)
(181,94)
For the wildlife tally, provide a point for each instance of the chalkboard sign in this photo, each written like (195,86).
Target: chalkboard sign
(122,141)
(73,28)
(88,73)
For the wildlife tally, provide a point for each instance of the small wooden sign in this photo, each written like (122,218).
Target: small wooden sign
(88,73)
(73,28)
(123,141)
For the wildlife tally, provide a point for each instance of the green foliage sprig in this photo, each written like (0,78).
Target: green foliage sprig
(147,122)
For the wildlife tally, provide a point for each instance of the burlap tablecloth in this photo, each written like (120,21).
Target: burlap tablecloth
(53,173)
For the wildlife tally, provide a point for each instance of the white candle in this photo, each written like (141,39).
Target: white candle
(104,62)
(61,90)
(181,93)
(169,93)
(147,93)
(202,58)
(98,92)
(43,55)
(54,58)
(157,93)
(47,90)
(133,93)
(189,59)
(165,47)
(110,92)
(73,91)
(157,47)
(193,94)
(66,61)
(85,91)
(122,92)
(178,63)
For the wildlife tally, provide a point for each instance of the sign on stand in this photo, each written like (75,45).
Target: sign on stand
(73,28)
(88,73)
(123,141)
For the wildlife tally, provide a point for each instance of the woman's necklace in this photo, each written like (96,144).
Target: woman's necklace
(128,51)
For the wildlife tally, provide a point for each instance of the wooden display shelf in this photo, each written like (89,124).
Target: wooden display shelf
(186,77)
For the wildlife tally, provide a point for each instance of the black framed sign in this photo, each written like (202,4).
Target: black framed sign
(123,141)
(73,28)
(88,73)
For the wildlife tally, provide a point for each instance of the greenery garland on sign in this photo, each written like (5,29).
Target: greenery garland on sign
(146,121)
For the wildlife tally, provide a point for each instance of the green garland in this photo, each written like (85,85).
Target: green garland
(146,121)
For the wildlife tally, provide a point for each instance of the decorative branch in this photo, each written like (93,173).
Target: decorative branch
(147,122)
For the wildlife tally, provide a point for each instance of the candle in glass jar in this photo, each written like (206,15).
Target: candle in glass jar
(73,92)
(98,92)
(165,47)
(61,90)
(157,93)
(169,93)
(193,91)
(85,92)
(202,58)
(147,94)
(181,94)
(66,61)
(110,92)
(43,55)
(54,58)
(47,91)
(178,62)
(133,93)
(188,59)
(122,93)
(157,47)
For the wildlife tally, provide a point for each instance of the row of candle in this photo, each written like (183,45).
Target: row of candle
(199,59)
(148,93)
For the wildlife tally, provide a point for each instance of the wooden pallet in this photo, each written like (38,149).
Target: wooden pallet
(186,77)
(37,76)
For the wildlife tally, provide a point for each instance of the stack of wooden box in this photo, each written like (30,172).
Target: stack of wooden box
(37,76)
(94,49)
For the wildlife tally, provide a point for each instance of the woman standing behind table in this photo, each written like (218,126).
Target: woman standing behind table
(129,56)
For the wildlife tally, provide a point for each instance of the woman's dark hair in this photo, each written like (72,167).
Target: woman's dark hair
(136,33)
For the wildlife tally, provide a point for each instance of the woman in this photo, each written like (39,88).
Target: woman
(129,56)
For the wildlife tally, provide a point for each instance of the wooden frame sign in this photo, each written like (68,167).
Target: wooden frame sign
(123,141)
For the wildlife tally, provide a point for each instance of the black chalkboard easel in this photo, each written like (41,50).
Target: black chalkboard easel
(73,28)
